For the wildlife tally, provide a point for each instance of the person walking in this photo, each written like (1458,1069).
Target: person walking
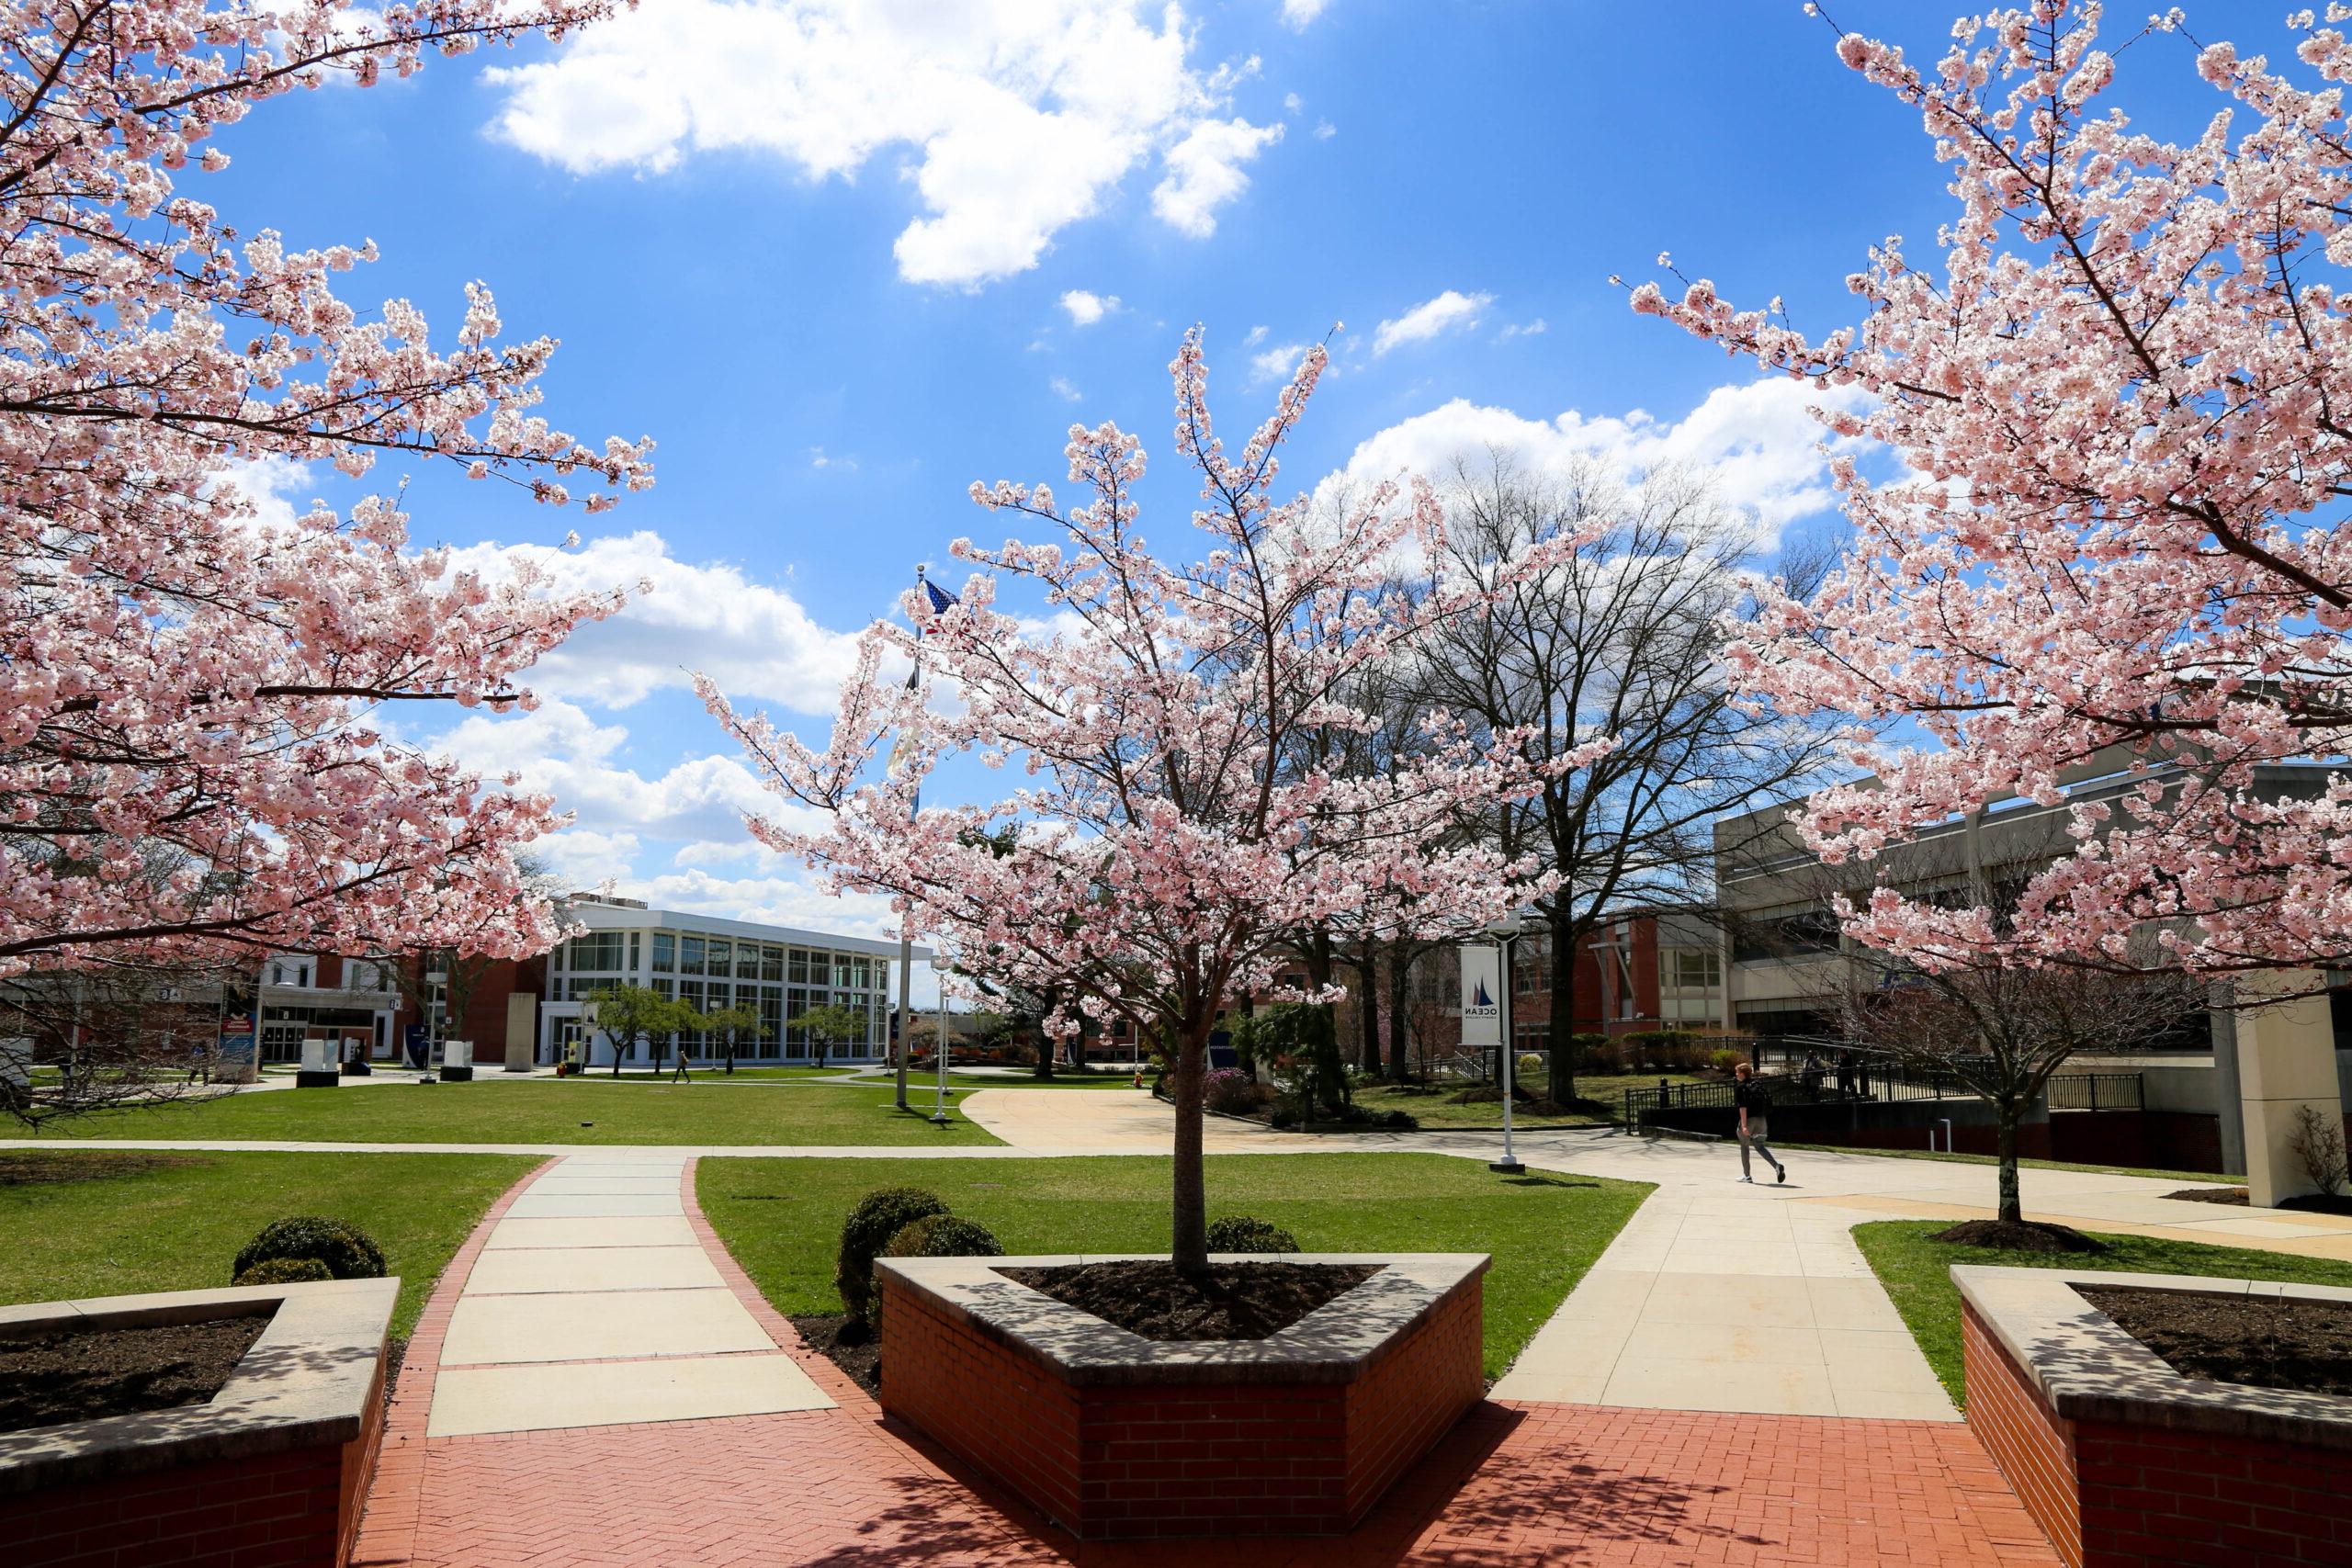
(1754,1102)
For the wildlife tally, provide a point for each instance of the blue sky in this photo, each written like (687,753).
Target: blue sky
(838,259)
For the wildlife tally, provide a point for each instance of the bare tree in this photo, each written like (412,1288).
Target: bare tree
(1623,638)
(101,1037)
(2000,1032)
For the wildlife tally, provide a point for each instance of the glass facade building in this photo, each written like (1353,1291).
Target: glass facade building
(779,973)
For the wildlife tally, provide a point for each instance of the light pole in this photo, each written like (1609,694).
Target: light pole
(1507,930)
(939,965)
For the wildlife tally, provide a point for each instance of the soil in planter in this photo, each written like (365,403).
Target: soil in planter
(2310,1202)
(2019,1235)
(1231,1300)
(2268,1341)
(81,1374)
(1524,1102)
(846,1344)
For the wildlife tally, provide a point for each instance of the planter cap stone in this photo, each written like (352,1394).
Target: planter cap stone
(1335,1343)
(305,1382)
(2089,1368)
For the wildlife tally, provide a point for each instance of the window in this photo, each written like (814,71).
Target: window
(689,955)
(665,952)
(772,963)
(800,956)
(293,969)
(1697,968)
(635,950)
(598,952)
(840,969)
(722,956)
(366,975)
(747,960)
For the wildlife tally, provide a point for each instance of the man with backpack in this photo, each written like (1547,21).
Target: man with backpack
(1754,1102)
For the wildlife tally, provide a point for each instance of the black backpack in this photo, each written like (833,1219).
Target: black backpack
(1760,1098)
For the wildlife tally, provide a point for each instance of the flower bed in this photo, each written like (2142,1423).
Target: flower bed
(1114,1436)
(2124,1461)
(273,1468)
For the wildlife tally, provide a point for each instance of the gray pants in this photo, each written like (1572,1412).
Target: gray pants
(1759,1129)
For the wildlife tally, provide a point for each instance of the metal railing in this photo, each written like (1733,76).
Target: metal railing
(1881,1083)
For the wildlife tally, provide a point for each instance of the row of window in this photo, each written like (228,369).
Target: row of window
(674,953)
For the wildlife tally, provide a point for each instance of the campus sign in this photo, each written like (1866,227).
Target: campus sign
(1482,994)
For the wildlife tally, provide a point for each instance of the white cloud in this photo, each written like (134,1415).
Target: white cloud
(1757,442)
(773,900)
(1325,130)
(1275,363)
(560,750)
(584,859)
(1256,336)
(1523,329)
(1292,103)
(821,458)
(1020,119)
(755,639)
(1205,173)
(1299,12)
(1087,308)
(1062,389)
(1431,318)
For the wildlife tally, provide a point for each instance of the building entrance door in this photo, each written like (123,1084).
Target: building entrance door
(281,1039)
(566,1038)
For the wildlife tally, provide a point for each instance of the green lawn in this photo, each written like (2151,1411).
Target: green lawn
(782,1218)
(1432,1104)
(122,1221)
(541,1111)
(1917,1273)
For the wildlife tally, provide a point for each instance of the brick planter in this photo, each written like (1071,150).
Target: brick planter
(1113,1436)
(273,1470)
(2124,1461)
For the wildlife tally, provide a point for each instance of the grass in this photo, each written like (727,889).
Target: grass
(1955,1159)
(921,1079)
(1432,1106)
(782,1218)
(540,1110)
(1916,1272)
(78,1222)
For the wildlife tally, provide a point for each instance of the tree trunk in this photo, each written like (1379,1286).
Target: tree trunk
(1045,1069)
(1368,1005)
(2012,1210)
(1191,1249)
(619,1051)
(1399,980)
(730,1052)
(1561,1042)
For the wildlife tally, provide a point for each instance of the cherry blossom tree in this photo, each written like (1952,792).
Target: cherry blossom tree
(189,760)
(1169,840)
(2123,401)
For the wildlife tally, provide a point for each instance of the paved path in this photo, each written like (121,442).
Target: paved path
(830,1482)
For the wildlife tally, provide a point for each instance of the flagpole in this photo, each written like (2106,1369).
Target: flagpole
(906,923)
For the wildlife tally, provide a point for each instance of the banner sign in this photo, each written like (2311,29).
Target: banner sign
(1482,994)
(238,1029)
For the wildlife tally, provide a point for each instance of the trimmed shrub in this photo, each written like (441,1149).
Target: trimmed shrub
(1725,1061)
(283,1271)
(345,1250)
(1239,1233)
(1399,1120)
(943,1236)
(880,1215)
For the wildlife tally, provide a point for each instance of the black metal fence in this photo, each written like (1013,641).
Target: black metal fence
(1881,1082)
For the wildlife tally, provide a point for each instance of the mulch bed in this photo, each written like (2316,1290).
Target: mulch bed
(845,1344)
(2310,1202)
(1230,1301)
(2019,1235)
(2268,1341)
(82,1374)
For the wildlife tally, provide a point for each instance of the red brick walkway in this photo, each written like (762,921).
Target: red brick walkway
(1513,1484)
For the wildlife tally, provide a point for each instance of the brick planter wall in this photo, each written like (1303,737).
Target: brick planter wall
(2124,1476)
(1139,1444)
(272,1473)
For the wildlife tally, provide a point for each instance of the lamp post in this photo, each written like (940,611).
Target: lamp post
(939,1114)
(1507,930)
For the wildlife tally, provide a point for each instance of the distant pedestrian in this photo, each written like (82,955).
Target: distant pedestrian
(679,1071)
(1754,1102)
(1846,1074)
(1812,1075)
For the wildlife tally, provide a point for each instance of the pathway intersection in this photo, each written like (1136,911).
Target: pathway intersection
(596,1381)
